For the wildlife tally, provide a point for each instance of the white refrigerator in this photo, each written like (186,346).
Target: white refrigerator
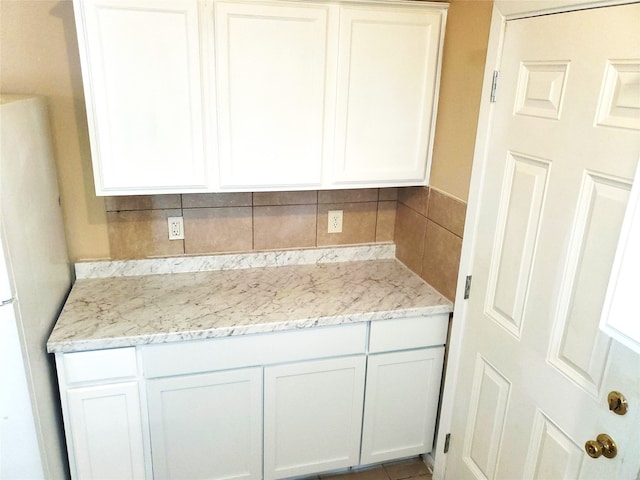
(35,278)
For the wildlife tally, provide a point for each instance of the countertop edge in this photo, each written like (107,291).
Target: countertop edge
(160,338)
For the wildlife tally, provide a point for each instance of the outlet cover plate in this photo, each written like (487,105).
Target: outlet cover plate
(334,221)
(176,228)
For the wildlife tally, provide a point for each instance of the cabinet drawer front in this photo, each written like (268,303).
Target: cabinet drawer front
(406,333)
(252,350)
(118,363)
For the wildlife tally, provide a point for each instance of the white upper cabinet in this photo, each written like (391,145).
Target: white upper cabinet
(141,70)
(271,64)
(388,66)
(228,95)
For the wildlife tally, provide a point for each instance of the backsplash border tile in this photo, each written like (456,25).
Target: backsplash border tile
(204,263)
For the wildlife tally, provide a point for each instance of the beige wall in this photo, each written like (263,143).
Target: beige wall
(465,49)
(39,55)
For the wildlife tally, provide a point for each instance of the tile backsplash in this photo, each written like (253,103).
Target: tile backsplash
(428,235)
(425,224)
(244,222)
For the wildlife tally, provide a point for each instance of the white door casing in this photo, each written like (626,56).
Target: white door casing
(554,160)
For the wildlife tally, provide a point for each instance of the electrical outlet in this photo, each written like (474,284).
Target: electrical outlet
(335,221)
(176,228)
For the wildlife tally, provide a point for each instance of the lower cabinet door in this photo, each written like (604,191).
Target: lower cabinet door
(313,416)
(401,403)
(207,425)
(106,432)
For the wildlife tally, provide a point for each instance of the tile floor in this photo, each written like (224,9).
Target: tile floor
(413,469)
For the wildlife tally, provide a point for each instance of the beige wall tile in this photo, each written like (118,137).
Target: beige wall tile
(441,259)
(203,200)
(386,222)
(142,202)
(358,223)
(389,193)
(409,237)
(284,226)
(211,230)
(446,211)
(142,234)
(346,196)
(286,198)
(416,198)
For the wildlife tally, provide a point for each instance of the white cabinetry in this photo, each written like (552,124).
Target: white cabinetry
(404,370)
(207,425)
(102,418)
(408,379)
(271,64)
(313,416)
(228,95)
(386,93)
(143,91)
(275,405)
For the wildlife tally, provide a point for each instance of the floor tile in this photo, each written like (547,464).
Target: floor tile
(377,473)
(407,469)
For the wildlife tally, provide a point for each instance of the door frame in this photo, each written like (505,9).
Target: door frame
(503,11)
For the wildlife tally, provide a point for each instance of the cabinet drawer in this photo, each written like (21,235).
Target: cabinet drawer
(96,365)
(250,350)
(406,333)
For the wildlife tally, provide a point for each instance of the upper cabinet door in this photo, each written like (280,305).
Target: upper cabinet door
(141,69)
(386,93)
(271,75)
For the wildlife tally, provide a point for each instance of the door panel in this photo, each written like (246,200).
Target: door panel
(271,67)
(535,370)
(207,425)
(144,94)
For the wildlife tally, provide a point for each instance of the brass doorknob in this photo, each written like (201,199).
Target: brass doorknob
(617,403)
(602,445)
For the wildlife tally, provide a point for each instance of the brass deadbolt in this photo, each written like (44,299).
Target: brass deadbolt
(617,403)
(602,445)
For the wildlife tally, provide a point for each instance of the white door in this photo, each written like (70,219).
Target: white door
(207,425)
(106,432)
(388,67)
(312,416)
(141,72)
(400,405)
(535,370)
(271,63)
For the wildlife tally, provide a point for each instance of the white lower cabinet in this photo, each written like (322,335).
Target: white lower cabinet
(313,416)
(207,425)
(274,405)
(400,404)
(105,432)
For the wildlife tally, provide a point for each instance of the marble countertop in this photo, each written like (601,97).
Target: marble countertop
(137,310)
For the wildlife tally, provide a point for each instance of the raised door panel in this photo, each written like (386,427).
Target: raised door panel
(106,432)
(401,403)
(141,70)
(207,425)
(387,86)
(271,62)
(313,416)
